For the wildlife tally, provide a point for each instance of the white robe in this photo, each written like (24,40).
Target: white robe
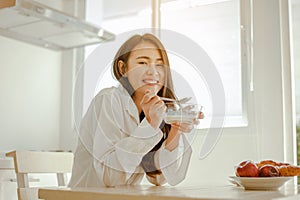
(112,142)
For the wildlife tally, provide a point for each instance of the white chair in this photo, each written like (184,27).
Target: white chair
(27,162)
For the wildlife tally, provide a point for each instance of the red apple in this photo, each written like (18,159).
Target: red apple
(268,170)
(247,169)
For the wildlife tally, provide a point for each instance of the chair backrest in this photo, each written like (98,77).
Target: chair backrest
(27,162)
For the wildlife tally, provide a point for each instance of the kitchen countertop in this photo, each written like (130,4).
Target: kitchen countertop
(168,193)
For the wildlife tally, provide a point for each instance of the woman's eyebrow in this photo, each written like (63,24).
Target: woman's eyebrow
(143,57)
(148,58)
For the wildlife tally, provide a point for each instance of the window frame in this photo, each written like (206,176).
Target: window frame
(246,58)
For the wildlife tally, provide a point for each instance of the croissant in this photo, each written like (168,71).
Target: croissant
(270,162)
(285,169)
(289,170)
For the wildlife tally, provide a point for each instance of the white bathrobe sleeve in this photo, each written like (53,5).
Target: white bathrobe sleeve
(173,164)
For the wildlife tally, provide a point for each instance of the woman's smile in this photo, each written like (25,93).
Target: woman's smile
(151,81)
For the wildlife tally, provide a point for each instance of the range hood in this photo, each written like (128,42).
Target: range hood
(35,23)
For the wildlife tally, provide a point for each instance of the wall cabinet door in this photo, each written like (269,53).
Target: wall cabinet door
(8,185)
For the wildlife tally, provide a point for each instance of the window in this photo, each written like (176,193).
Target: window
(212,24)
(215,26)
(127,16)
(295,32)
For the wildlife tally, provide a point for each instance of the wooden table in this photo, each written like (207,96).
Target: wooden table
(167,193)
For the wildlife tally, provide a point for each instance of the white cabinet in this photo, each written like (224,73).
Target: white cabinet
(8,184)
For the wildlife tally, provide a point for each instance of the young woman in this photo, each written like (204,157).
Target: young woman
(123,135)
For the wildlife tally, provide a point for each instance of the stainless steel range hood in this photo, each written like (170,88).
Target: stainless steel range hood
(35,23)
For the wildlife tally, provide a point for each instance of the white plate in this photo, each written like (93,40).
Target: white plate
(261,183)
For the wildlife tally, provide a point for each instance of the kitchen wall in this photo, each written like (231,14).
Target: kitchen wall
(36,91)
(30,96)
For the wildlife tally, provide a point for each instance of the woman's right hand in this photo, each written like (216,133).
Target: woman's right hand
(154,108)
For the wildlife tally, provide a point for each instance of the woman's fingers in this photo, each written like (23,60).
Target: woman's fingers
(153,108)
(189,107)
(150,98)
(161,106)
(147,97)
(196,121)
(188,127)
(183,127)
(201,115)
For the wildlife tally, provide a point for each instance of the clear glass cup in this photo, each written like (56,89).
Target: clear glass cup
(182,113)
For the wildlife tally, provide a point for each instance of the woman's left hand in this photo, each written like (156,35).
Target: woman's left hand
(183,127)
(177,128)
(187,127)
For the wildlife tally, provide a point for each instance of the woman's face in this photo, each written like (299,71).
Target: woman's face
(145,68)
